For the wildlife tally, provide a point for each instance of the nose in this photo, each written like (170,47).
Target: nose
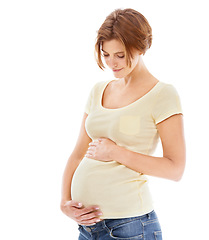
(112,63)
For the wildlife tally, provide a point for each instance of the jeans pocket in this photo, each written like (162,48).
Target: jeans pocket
(158,235)
(83,234)
(131,230)
(152,227)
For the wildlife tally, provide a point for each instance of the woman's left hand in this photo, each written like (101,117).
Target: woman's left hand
(101,149)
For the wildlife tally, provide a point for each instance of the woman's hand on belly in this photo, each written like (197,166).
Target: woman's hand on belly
(101,149)
(82,215)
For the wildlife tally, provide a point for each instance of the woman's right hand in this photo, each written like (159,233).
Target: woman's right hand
(82,215)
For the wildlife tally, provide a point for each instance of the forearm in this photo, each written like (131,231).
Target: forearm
(67,178)
(154,166)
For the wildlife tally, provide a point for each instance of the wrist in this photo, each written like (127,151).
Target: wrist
(64,201)
(63,205)
(114,152)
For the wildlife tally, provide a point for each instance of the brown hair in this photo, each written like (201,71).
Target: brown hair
(128,26)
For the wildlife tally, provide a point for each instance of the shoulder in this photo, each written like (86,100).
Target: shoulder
(166,90)
(98,86)
(166,102)
(166,87)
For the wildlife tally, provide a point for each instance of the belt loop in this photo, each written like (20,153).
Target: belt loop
(148,215)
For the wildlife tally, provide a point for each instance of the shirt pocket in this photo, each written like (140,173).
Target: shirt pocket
(129,125)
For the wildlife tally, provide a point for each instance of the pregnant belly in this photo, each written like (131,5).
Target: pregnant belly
(110,185)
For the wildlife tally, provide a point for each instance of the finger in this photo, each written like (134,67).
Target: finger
(90,222)
(92,156)
(89,152)
(93,143)
(74,204)
(86,210)
(90,216)
(91,148)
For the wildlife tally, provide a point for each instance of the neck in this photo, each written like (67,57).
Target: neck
(139,73)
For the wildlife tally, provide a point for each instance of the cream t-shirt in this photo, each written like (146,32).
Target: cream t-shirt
(119,191)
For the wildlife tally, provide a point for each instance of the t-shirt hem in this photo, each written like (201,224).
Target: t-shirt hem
(126,214)
(167,115)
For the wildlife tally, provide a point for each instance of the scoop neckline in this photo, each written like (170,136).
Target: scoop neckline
(129,105)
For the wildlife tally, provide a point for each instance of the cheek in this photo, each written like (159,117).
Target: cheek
(123,62)
(107,61)
(135,61)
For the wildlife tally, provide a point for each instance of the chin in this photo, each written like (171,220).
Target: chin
(119,75)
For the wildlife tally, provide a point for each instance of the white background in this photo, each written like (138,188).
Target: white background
(47,69)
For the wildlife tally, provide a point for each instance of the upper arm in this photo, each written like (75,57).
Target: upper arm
(83,141)
(171,133)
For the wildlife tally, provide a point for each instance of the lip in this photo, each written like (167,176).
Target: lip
(117,70)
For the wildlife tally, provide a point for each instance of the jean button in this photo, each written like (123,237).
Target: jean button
(88,229)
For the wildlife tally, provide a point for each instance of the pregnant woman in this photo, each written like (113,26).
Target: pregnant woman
(104,184)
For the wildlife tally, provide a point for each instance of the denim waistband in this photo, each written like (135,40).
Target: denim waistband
(114,222)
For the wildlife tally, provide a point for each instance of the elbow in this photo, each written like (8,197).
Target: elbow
(177,177)
(178,172)
(176,169)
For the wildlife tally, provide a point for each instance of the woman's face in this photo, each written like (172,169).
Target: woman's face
(114,55)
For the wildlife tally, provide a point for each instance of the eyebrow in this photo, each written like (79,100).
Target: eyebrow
(114,53)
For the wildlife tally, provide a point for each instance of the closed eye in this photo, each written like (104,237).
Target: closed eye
(121,56)
(118,54)
(107,55)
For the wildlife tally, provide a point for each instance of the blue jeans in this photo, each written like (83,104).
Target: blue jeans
(145,227)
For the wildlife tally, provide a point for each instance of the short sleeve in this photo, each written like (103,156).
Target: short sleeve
(89,102)
(167,104)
